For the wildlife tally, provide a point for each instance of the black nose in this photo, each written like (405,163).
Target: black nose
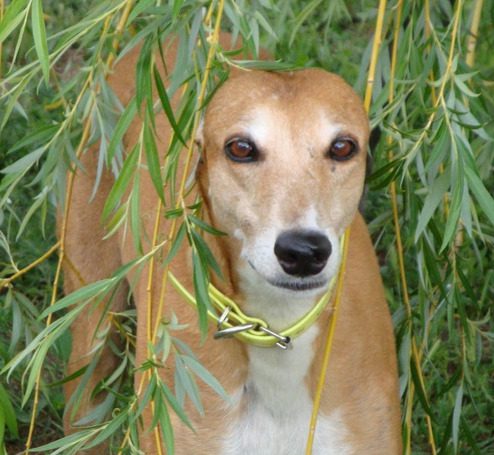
(302,253)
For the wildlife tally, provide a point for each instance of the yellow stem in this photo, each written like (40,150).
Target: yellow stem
(375,51)
(152,334)
(329,344)
(428,28)
(214,40)
(63,232)
(61,254)
(446,77)
(396,224)
(472,36)
(329,341)
(5,282)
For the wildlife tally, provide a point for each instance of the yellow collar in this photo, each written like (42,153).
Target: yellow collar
(234,322)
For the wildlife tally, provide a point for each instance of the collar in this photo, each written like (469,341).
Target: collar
(233,322)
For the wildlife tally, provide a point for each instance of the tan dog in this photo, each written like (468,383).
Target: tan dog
(282,173)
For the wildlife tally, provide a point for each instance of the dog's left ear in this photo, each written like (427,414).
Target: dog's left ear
(374,138)
(199,143)
(199,139)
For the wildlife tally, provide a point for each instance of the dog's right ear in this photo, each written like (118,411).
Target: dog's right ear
(199,143)
(199,139)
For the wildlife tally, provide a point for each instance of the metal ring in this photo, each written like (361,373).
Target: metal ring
(224,317)
(283,341)
(230,331)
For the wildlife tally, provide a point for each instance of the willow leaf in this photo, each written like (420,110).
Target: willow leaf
(165,103)
(13,16)
(8,413)
(39,36)
(121,184)
(481,194)
(121,128)
(152,158)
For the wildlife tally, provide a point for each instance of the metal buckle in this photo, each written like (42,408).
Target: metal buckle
(283,342)
(229,331)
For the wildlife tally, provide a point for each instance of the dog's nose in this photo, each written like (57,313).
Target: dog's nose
(302,253)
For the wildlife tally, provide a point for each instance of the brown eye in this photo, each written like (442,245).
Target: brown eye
(241,150)
(342,149)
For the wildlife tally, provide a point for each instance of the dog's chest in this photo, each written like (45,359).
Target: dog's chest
(275,406)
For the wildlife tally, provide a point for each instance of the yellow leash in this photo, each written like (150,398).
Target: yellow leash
(328,346)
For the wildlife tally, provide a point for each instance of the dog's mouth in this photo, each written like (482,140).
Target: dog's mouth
(298,285)
(295,284)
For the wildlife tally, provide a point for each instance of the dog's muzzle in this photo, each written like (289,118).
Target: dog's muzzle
(302,253)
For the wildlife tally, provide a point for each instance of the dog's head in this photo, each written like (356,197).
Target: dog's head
(283,173)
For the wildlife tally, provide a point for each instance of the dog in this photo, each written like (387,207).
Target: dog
(282,168)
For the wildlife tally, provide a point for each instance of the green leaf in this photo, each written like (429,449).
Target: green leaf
(205,254)
(39,36)
(165,103)
(436,193)
(481,194)
(188,384)
(455,423)
(25,163)
(8,414)
(177,243)
(454,211)
(464,88)
(161,411)
(205,376)
(201,290)
(204,226)
(14,15)
(121,128)
(302,17)
(109,429)
(120,186)
(90,291)
(12,101)
(170,398)
(2,433)
(144,89)
(152,158)
(135,213)
(62,445)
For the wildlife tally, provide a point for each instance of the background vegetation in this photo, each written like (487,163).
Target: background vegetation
(430,205)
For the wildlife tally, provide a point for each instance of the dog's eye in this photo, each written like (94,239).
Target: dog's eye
(241,150)
(342,148)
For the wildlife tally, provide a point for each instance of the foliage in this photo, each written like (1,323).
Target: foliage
(430,207)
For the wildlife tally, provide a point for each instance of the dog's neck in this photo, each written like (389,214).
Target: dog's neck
(275,396)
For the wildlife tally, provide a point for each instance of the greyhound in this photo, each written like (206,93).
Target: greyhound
(282,168)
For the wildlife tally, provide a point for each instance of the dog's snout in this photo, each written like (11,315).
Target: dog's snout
(302,253)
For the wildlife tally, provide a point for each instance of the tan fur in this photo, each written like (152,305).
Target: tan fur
(294,177)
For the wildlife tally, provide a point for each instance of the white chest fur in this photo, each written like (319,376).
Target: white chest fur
(276,406)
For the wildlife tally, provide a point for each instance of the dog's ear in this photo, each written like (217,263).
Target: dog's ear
(199,139)
(199,143)
(374,138)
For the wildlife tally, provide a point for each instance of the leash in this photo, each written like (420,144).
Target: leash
(328,346)
(234,322)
